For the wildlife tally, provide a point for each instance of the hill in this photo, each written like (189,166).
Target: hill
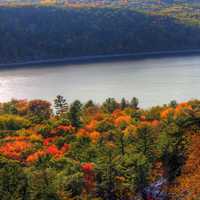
(42,33)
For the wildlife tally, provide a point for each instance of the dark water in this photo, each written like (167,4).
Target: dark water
(153,81)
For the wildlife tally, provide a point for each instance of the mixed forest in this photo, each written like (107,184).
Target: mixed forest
(112,151)
(87,151)
(35,33)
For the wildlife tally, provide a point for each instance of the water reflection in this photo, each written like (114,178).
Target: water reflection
(154,81)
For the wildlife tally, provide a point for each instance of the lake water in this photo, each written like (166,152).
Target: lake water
(153,81)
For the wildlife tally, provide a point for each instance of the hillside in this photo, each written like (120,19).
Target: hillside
(41,33)
(111,151)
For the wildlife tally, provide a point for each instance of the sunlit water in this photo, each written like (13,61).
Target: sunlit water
(153,81)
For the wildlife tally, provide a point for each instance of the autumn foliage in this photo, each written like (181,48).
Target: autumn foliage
(103,152)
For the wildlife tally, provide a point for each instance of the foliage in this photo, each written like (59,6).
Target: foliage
(12,122)
(109,151)
(43,33)
(60,105)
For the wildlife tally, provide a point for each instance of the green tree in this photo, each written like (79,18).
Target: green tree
(137,175)
(9,107)
(13,181)
(75,114)
(110,105)
(173,103)
(145,142)
(106,171)
(60,105)
(88,104)
(13,122)
(123,104)
(134,103)
(41,180)
(171,146)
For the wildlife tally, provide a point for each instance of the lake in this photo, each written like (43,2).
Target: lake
(153,81)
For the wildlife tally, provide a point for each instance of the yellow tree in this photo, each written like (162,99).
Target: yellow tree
(187,186)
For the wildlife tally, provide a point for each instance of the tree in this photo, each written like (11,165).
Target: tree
(75,114)
(10,107)
(106,171)
(171,146)
(88,104)
(13,122)
(60,105)
(187,184)
(39,110)
(145,141)
(13,181)
(134,103)
(110,105)
(41,179)
(123,103)
(121,123)
(173,103)
(138,166)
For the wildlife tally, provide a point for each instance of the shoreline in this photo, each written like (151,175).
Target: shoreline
(102,58)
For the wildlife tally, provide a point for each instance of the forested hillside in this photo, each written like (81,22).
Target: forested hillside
(37,33)
(114,151)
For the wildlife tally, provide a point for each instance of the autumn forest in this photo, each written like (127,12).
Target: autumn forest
(69,149)
(115,150)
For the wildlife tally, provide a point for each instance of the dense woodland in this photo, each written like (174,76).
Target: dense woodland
(112,151)
(37,33)
(109,151)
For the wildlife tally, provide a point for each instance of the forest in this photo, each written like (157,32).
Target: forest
(110,151)
(43,33)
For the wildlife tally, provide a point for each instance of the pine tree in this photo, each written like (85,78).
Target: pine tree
(60,105)
(75,114)
(123,103)
(134,103)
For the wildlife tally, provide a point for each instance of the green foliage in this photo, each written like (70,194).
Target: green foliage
(110,105)
(75,114)
(13,181)
(60,105)
(134,102)
(104,126)
(12,122)
(173,103)
(41,185)
(123,104)
(9,107)
(139,170)
(100,32)
(145,142)
(154,113)
(109,151)
(44,130)
(171,145)
(89,104)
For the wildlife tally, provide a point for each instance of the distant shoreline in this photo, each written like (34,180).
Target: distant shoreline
(102,58)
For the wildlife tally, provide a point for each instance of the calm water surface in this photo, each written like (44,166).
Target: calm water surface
(153,81)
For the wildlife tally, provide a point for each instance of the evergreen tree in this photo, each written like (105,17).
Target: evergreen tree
(89,103)
(60,105)
(173,103)
(123,103)
(145,141)
(134,103)
(110,105)
(13,181)
(75,114)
